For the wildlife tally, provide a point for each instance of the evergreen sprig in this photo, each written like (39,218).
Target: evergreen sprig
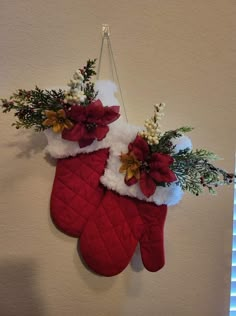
(88,70)
(90,92)
(194,171)
(30,106)
(165,145)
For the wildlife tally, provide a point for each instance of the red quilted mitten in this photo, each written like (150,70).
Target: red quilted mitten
(111,235)
(76,191)
(152,240)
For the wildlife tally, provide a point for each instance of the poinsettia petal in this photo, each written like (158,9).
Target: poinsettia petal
(160,161)
(140,148)
(156,175)
(77,113)
(89,133)
(74,134)
(101,132)
(94,112)
(169,176)
(157,165)
(85,142)
(163,175)
(96,104)
(111,113)
(131,181)
(163,159)
(147,185)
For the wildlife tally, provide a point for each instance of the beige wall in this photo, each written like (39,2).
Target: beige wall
(178,52)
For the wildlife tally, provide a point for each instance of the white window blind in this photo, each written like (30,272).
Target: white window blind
(233,269)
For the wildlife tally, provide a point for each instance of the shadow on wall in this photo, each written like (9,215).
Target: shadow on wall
(19,294)
(29,143)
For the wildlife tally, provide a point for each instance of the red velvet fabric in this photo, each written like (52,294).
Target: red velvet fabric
(76,191)
(111,234)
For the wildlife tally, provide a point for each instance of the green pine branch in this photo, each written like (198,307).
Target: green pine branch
(165,145)
(29,106)
(194,171)
(88,70)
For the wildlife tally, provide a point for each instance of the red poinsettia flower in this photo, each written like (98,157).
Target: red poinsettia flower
(90,122)
(153,168)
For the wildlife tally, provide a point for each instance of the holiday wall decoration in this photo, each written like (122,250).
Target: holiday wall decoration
(113,181)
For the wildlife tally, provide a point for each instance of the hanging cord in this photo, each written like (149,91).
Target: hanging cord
(106,36)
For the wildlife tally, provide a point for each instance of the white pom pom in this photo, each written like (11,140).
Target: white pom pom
(181,143)
(106,92)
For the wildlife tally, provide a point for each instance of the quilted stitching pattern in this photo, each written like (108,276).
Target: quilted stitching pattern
(115,227)
(76,191)
(110,238)
(111,235)
(152,242)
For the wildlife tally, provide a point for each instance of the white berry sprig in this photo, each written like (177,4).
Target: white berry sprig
(153,128)
(75,94)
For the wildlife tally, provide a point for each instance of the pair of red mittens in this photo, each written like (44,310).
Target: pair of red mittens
(109,225)
(90,200)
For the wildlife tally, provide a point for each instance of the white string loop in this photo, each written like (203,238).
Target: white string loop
(114,72)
